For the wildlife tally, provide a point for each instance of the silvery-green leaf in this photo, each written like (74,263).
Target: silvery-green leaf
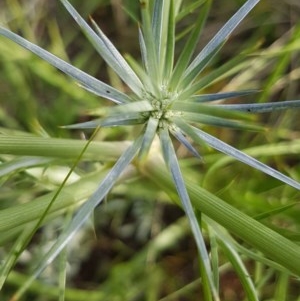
(182,139)
(221,96)
(240,156)
(167,59)
(173,165)
(88,207)
(157,23)
(215,110)
(134,107)
(107,50)
(149,135)
(85,79)
(199,136)
(116,120)
(220,122)
(263,107)
(190,45)
(197,65)
(230,67)
(150,55)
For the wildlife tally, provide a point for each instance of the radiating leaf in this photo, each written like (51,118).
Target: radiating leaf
(221,96)
(115,120)
(173,165)
(215,110)
(190,45)
(238,155)
(263,107)
(148,138)
(98,87)
(107,50)
(87,208)
(220,122)
(197,65)
(168,55)
(134,107)
(182,139)
(149,49)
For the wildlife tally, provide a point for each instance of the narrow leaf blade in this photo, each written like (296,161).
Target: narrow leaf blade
(217,41)
(173,165)
(107,50)
(87,208)
(91,83)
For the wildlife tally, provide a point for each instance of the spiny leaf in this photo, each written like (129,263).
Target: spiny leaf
(199,136)
(182,139)
(263,107)
(168,55)
(107,50)
(190,45)
(149,135)
(220,122)
(115,120)
(197,65)
(221,96)
(98,87)
(173,165)
(87,208)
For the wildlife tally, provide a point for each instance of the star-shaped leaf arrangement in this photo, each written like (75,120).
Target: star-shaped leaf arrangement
(165,98)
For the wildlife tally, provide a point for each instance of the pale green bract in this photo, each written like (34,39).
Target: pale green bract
(166,99)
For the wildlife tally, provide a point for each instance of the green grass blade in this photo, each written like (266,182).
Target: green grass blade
(22,163)
(98,87)
(22,145)
(197,64)
(190,45)
(240,269)
(11,258)
(87,208)
(223,235)
(107,50)
(71,196)
(173,165)
(263,107)
(186,10)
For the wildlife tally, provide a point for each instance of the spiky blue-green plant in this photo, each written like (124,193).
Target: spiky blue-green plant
(165,97)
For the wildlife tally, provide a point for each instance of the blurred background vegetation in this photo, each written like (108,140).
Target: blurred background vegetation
(106,258)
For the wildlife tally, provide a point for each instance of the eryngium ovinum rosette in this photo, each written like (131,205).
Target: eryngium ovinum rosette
(165,96)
